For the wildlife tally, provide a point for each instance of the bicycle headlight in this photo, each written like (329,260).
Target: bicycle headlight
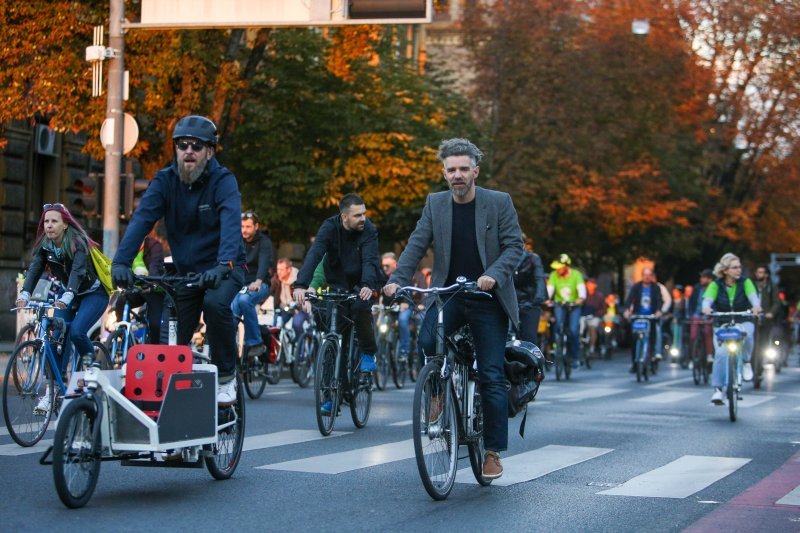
(607,329)
(732,346)
(674,352)
(770,354)
(383,328)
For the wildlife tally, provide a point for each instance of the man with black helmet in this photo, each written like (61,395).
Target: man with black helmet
(200,203)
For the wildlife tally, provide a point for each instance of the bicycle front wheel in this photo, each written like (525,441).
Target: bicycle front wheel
(303,368)
(399,368)
(254,376)
(560,358)
(733,394)
(275,370)
(326,390)
(475,446)
(76,456)
(29,396)
(362,399)
(224,455)
(382,364)
(435,432)
(698,359)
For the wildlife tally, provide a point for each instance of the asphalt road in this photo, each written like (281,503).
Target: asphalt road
(601,453)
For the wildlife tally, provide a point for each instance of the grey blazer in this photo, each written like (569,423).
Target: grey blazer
(499,243)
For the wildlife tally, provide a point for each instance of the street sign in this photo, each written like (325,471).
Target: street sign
(130,135)
(193,14)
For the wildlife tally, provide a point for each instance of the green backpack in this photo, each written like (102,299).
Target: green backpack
(102,266)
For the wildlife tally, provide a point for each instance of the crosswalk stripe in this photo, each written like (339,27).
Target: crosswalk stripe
(336,463)
(668,383)
(666,397)
(15,449)
(402,423)
(680,478)
(50,427)
(282,438)
(793,498)
(537,463)
(586,394)
(752,401)
(277,393)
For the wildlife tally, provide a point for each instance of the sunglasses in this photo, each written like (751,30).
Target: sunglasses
(53,206)
(249,216)
(184,145)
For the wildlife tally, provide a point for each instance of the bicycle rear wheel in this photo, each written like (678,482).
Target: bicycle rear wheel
(115,344)
(698,359)
(226,452)
(275,370)
(475,447)
(733,394)
(639,359)
(76,454)
(399,368)
(435,432)
(303,367)
(26,385)
(361,399)
(382,366)
(254,376)
(101,356)
(560,358)
(325,387)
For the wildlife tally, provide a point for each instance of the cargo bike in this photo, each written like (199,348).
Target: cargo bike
(158,410)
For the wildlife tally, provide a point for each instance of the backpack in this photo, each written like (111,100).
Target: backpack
(102,267)
(524,370)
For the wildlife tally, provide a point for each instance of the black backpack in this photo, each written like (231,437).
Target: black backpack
(524,370)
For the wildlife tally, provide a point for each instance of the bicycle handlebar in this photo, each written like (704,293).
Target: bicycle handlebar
(460,285)
(644,317)
(332,296)
(733,313)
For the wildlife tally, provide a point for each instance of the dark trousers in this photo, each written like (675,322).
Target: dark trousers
(529,324)
(489,326)
(215,305)
(84,311)
(155,309)
(360,312)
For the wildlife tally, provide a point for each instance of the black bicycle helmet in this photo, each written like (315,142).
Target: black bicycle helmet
(197,127)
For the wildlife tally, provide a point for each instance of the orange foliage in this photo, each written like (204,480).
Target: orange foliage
(350,44)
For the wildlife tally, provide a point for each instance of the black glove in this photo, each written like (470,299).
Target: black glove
(121,275)
(211,278)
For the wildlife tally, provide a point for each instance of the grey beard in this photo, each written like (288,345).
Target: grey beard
(460,192)
(189,177)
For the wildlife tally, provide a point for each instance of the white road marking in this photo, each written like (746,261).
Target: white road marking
(666,397)
(680,478)
(402,423)
(752,401)
(586,394)
(536,463)
(14,449)
(793,498)
(282,438)
(336,463)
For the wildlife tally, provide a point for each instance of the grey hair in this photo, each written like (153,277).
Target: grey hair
(390,255)
(451,147)
(724,264)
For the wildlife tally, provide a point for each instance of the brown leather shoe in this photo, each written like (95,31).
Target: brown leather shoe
(492,467)
(437,405)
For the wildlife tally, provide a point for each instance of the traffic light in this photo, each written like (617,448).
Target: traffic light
(90,193)
(131,190)
(82,193)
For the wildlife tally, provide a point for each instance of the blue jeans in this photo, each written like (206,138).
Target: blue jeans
(244,305)
(719,372)
(573,325)
(297,321)
(489,325)
(85,310)
(404,329)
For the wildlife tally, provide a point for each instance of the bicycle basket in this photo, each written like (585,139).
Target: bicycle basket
(729,334)
(640,325)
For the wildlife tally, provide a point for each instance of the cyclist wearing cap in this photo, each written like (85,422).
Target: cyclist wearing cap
(258,247)
(200,202)
(566,286)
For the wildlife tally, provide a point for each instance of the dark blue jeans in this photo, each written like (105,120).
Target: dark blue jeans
(85,310)
(573,318)
(489,326)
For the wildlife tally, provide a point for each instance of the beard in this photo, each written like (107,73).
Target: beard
(190,176)
(463,189)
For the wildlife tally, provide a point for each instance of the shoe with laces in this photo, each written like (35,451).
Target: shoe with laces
(718,398)
(492,467)
(368,363)
(43,407)
(747,372)
(325,408)
(226,393)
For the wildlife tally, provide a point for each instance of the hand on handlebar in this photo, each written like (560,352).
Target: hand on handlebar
(756,310)
(365,294)
(390,288)
(121,276)
(22,301)
(486,283)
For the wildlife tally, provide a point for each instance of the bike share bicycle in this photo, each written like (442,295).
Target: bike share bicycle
(33,385)
(641,326)
(162,403)
(338,377)
(701,366)
(733,337)
(561,342)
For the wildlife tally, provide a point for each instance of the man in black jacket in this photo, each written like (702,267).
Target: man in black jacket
(531,286)
(644,299)
(348,242)
(258,247)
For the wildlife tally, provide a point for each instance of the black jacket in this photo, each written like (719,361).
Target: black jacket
(259,258)
(635,298)
(76,275)
(351,257)
(529,281)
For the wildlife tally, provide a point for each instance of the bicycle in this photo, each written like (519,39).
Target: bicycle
(338,375)
(701,368)
(131,329)
(447,402)
(306,349)
(285,337)
(640,325)
(733,337)
(561,341)
(414,357)
(162,403)
(253,371)
(388,341)
(32,376)
(585,352)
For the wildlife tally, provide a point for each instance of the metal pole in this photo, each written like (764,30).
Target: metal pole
(114,112)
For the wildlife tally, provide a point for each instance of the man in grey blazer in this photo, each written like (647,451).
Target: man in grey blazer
(475,233)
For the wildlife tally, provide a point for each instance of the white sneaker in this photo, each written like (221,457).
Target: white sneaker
(659,357)
(226,393)
(747,372)
(718,398)
(43,407)
(710,358)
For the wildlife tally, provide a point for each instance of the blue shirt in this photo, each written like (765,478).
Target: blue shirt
(203,220)
(646,301)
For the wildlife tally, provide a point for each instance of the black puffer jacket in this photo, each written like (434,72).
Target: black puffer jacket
(76,274)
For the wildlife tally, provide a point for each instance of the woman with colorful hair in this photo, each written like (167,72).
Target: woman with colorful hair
(63,248)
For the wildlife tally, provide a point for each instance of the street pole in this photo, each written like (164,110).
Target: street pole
(114,113)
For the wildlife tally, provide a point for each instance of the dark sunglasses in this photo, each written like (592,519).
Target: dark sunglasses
(53,206)
(248,216)
(184,145)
